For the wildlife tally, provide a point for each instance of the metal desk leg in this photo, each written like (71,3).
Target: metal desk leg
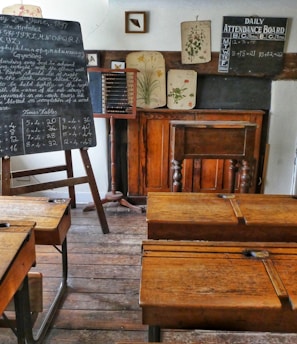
(28,330)
(22,310)
(154,334)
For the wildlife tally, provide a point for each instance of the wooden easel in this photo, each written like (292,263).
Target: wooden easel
(61,118)
(70,181)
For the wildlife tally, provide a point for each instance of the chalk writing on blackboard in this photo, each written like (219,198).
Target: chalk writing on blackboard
(252,45)
(44,96)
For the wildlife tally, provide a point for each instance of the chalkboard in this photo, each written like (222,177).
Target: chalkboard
(252,45)
(95,82)
(44,96)
(220,92)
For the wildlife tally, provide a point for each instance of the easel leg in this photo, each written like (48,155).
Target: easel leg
(6,176)
(94,190)
(69,166)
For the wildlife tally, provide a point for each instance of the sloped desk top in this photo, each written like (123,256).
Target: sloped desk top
(227,217)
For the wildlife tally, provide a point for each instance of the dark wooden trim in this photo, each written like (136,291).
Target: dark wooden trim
(173,61)
(290,68)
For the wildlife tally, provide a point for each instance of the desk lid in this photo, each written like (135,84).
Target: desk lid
(47,213)
(268,210)
(222,209)
(183,207)
(11,240)
(218,275)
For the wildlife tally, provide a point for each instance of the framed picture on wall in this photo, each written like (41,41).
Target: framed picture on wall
(118,65)
(135,22)
(93,58)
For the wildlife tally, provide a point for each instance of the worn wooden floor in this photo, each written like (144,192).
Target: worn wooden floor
(101,305)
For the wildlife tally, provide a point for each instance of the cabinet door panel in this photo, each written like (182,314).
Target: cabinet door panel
(211,175)
(156,160)
(133,157)
(155,150)
(202,175)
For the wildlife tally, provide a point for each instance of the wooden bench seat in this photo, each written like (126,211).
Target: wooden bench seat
(218,286)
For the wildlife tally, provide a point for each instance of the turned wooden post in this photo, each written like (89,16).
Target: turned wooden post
(177,176)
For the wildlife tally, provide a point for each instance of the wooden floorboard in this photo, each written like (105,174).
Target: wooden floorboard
(101,305)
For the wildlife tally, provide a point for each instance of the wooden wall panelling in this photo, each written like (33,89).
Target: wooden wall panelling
(173,61)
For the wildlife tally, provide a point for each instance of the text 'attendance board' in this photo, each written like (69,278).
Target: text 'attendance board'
(44,96)
(252,45)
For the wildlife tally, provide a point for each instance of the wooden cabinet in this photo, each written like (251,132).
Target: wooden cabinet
(149,165)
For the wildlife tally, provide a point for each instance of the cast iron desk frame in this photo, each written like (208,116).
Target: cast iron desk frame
(55,233)
(16,274)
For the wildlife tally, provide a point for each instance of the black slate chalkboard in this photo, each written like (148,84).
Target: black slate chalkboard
(252,45)
(44,96)
(218,92)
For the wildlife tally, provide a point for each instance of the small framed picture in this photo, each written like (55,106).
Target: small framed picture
(135,22)
(118,65)
(93,59)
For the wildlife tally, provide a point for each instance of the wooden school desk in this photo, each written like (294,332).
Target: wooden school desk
(17,255)
(53,220)
(234,140)
(218,286)
(208,216)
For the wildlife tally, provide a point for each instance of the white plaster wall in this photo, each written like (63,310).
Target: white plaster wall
(282,137)
(102,23)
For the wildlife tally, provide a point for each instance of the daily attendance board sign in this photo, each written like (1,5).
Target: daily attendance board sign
(252,45)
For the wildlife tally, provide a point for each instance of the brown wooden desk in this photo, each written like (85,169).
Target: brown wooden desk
(53,220)
(206,216)
(17,255)
(218,286)
(234,140)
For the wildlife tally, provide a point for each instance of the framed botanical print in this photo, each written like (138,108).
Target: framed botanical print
(195,38)
(135,22)
(151,78)
(181,89)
